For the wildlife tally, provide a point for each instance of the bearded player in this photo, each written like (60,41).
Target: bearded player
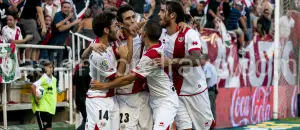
(183,50)
(101,105)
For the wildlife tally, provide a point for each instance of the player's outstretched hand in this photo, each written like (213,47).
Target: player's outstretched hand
(162,62)
(97,85)
(123,51)
(100,48)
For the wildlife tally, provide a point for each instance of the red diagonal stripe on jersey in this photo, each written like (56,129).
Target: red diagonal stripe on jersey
(96,127)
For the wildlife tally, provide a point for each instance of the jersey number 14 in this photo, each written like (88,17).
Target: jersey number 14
(105,116)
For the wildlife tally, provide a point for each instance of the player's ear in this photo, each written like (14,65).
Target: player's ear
(106,30)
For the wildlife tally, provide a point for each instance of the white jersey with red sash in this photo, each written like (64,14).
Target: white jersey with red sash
(12,33)
(135,86)
(188,80)
(103,67)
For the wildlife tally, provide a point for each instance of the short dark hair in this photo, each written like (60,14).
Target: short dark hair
(13,14)
(153,30)
(111,9)
(101,21)
(65,2)
(172,6)
(123,9)
(202,2)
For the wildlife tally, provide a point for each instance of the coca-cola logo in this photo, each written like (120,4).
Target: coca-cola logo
(251,108)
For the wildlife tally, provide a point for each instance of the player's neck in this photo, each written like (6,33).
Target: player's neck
(150,44)
(172,28)
(104,40)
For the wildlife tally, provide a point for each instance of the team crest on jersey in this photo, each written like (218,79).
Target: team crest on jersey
(206,124)
(180,39)
(104,65)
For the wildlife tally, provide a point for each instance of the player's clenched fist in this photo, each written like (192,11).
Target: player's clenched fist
(97,85)
(123,51)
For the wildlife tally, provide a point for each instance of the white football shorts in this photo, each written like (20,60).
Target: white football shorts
(102,113)
(194,112)
(164,111)
(135,112)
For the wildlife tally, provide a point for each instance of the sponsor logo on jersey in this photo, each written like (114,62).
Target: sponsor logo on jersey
(161,124)
(195,43)
(122,127)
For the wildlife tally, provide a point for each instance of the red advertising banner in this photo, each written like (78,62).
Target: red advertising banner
(242,106)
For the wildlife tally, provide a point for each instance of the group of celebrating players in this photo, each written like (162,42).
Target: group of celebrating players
(165,81)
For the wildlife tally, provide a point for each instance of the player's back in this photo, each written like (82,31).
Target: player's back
(158,80)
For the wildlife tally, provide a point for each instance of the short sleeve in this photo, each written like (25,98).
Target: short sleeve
(207,73)
(20,35)
(103,65)
(193,41)
(144,68)
(57,18)
(38,3)
(38,83)
(292,23)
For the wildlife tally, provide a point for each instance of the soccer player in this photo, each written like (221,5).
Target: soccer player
(135,112)
(101,106)
(163,97)
(183,51)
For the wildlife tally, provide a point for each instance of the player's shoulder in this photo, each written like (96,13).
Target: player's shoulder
(154,52)
(192,32)
(5,27)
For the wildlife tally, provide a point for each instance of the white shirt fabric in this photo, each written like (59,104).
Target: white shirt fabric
(285,25)
(12,33)
(194,80)
(39,82)
(136,56)
(210,74)
(158,80)
(103,68)
(49,9)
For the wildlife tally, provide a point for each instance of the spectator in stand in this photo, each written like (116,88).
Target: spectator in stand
(264,23)
(85,27)
(62,24)
(81,84)
(12,32)
(286,24)
(28,22)
(138,6)
(4,8)
(50,8)
(199,14)
(232,18)
(43,53)
(97,6)
(213,13)
(211,79)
